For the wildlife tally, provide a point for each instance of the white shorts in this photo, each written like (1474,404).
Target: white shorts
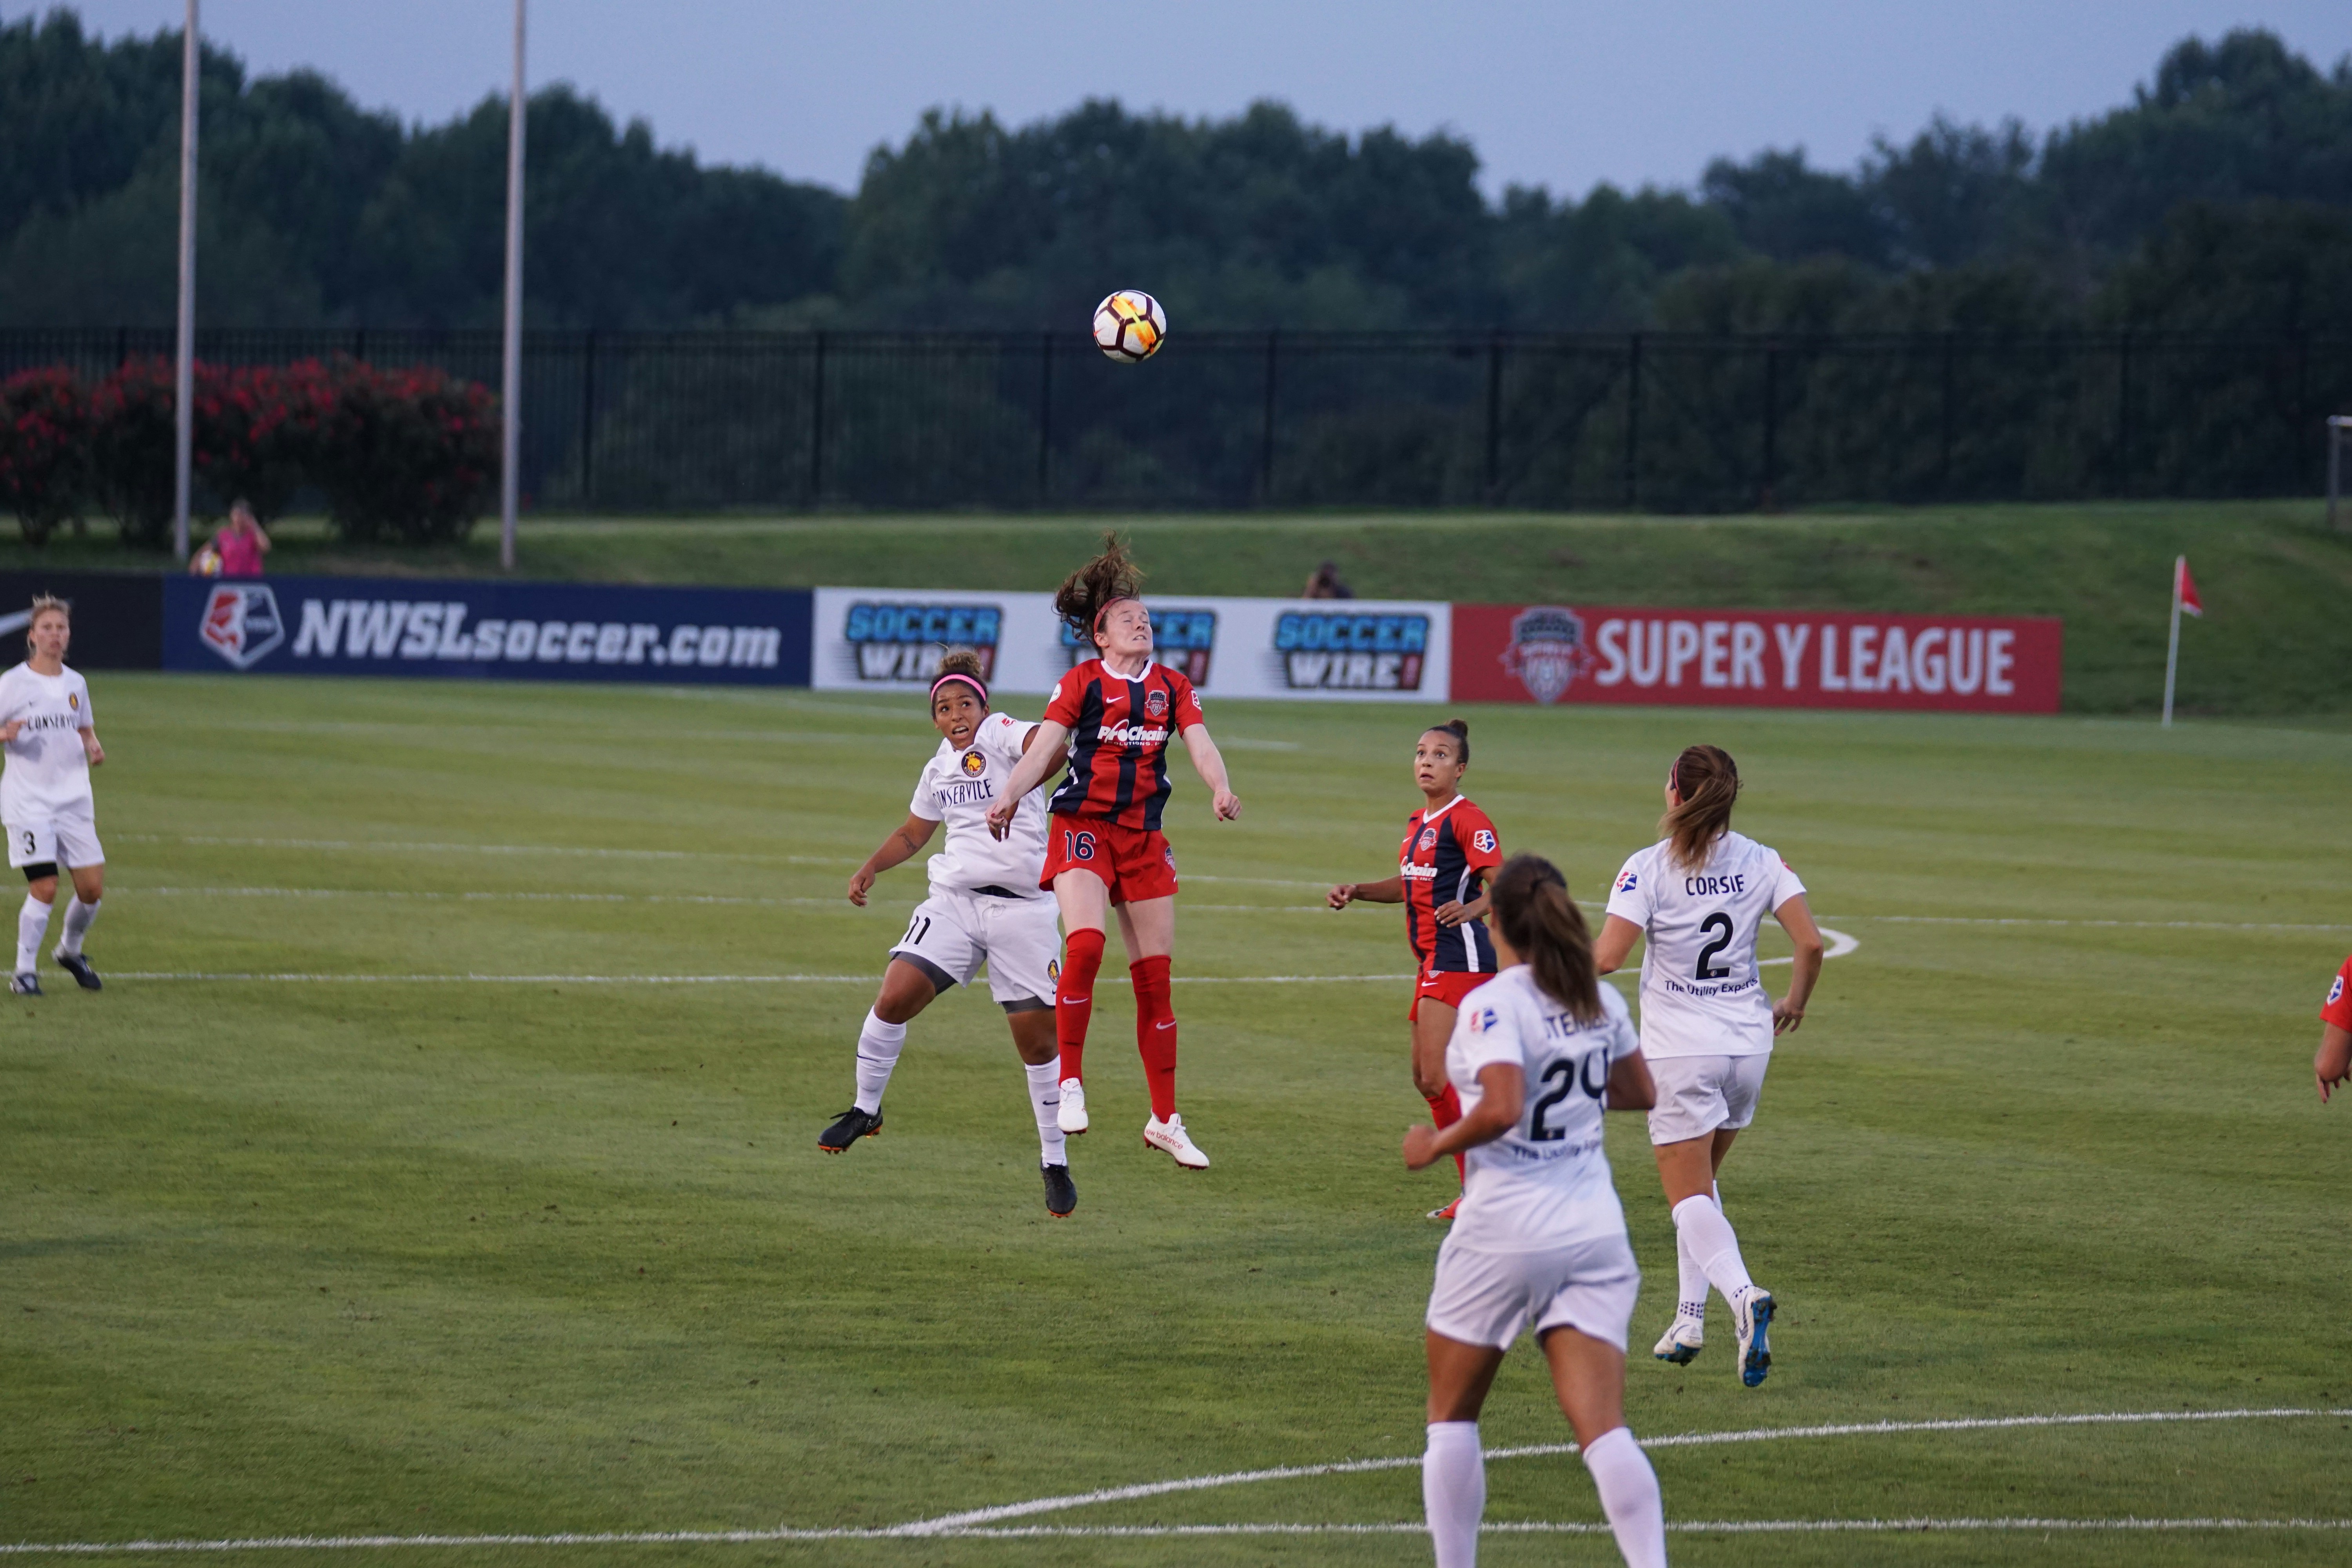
(952,933)
(1699,1095)
(64,839)
(1486,1297)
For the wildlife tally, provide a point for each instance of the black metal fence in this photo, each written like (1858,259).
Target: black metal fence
(1660,421)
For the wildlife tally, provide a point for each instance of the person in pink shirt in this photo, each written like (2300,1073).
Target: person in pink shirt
(237,548)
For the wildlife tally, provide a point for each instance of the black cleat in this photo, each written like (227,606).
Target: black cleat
(25,984)
(75,965)
(1060,1193)
(847,1129)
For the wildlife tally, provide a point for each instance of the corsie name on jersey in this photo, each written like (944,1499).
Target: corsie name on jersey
(1713,887)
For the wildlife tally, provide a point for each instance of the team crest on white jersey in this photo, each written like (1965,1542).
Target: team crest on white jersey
(1482,1020)
(974,764)
(1546,651)
(1628,882)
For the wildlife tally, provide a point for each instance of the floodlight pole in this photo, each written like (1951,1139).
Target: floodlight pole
(510,383)
(184,383)
(2339,426)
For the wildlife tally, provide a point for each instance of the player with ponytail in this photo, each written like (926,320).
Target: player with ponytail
(1113,715)
(985,907)
(1700,895)
(1450,847)
(1537,1053)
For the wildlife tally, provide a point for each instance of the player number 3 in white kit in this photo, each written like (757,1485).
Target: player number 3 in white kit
(1539,1241)
(51,744)
(1701,896)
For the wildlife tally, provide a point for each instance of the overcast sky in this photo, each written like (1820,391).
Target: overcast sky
(1561,95)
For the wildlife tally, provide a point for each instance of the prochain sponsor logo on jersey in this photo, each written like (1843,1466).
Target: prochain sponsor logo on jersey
(901,642)
(440,630)
(1341,651)
(1184,640)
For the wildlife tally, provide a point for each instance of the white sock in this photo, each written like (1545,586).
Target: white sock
(78,917)
(32,920)
(1699,1226)
(1454,1491)
(879,1045)
(1629,1496)
(1690,1278)
(1046,1099)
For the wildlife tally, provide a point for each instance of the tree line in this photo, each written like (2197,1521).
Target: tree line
(2218,198)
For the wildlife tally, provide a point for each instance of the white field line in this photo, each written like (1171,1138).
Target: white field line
(493,897)
(976,1524)
(2124,925)
(392,845)
(297,977)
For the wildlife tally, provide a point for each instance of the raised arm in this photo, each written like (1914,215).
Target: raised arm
(1391,891)
(1210,765)
(1041,750)
(1797,919)
(1618,936)
(902,844)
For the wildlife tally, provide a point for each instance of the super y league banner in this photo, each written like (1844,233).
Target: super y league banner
(487,630)
(1759,659)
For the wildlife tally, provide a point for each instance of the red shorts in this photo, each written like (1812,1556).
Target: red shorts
(1445,986)
(1134,863)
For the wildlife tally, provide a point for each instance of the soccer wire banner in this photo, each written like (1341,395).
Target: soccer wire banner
(1755,659)
(485,630)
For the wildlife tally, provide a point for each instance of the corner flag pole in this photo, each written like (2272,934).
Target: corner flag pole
(510,381)
(2172,654)
(184,384)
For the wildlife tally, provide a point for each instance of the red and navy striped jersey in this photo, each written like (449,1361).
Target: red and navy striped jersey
(1120,730)
(1445,860)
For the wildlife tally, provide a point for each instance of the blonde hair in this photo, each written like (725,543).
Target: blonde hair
(42,604)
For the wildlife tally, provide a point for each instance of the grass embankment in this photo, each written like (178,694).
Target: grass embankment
(2275,579)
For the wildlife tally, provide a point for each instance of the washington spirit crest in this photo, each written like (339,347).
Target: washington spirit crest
(242,623)
(1547,652)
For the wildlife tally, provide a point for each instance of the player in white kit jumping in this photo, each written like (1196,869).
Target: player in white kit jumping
(1539,1240)
(52,742)
(1700,895)
(985,907)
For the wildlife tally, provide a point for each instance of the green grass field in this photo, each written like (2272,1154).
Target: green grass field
(2275,579)
(410,1255)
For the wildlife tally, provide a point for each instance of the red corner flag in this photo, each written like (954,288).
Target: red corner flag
(2184,588)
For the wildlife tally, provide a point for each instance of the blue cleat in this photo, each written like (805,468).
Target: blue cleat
(1753,1312)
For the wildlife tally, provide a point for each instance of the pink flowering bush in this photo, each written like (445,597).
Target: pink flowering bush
(44,425)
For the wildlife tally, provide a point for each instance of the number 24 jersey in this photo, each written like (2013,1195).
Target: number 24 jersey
(1545,1183)
(1701,992)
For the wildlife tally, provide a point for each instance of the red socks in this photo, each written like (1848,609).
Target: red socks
(1445,1110)
(1155,1033)
(1074,1006)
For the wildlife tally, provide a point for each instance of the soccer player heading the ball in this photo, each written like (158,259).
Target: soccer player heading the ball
(1450,847)
(1537,1053)
(1115,714)
(45,800)
(1701,895)
(2333,1065)
(985,906)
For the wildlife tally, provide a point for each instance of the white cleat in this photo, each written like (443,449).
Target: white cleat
(1753,1312)
(1169,1138)
(1071,1118)
(1682,1341)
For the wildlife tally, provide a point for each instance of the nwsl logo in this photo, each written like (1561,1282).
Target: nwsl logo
(1547,652)
(241,623)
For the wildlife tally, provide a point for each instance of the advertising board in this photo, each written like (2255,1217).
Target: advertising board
(118,616)
(487,630)
(1314,650)
(1763,659)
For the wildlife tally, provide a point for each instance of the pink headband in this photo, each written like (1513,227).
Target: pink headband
(1117,600)
(972,681)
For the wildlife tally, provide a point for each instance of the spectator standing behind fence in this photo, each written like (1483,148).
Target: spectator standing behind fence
(237,550)
(1326,584)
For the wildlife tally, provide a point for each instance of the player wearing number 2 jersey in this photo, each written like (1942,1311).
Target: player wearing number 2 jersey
(1700,896)
(1114,717)
(1450,847)
(985,907)
(1537,1053)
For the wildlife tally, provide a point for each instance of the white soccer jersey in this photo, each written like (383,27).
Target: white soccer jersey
(958,788)
(1545,1183)
(1701,994)
(47,773)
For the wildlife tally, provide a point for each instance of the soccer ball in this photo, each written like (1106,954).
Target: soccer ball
(1129,326)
